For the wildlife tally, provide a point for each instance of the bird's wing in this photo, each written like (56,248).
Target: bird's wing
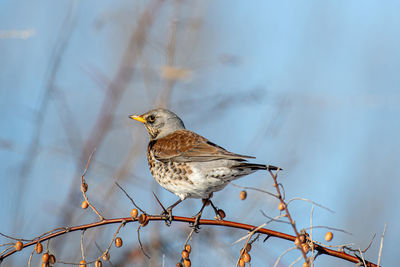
(187,146)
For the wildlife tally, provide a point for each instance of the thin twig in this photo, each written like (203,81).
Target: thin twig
(159,203)
(249,234)
(114,236)
(295,261)
(312,202)
(123,222)
(280,256)
(369,245)
(381,246)
(364,250)
(274,177)
(311,236)
(83,187)
(188,237)
(274,219)
(9,247)
(362,256)
(48,245)
(82,249)
(14,238)
(329,228)
(255,189)
(30,258)
(140,242)
(247,241)
(130,198)
(334,246)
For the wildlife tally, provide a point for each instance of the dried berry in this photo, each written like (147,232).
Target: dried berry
(45,257)
(281,206)
(185,254)
(84,204)
(188,248)
(39,248)
(328,236)
(52,259)
(18,246)
(242,263)
(82,263)
(248,247)
(106,256)
(134,213)
(246,257)
(243,195)
(143,219)
(118,242)
(98,263)
(187,263)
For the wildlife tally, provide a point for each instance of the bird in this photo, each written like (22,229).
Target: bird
(187,164)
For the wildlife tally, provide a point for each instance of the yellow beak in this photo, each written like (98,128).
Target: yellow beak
(138,118)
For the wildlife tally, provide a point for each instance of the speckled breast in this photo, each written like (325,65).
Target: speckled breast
(169,173)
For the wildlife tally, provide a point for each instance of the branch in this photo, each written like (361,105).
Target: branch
(230,224)
(281,199)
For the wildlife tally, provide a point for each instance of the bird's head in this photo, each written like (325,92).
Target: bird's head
(159,122)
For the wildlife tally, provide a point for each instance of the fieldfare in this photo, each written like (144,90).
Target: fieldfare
(187,164)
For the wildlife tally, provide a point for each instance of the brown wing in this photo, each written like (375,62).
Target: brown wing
(186,146)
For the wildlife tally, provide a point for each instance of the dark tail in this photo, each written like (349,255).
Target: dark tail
(255,166)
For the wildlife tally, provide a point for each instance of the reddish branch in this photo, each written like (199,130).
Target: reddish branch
(319,248)
(276,185)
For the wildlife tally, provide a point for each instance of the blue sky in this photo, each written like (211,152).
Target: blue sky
(310,86)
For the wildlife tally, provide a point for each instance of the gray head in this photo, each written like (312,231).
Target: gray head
(159,122)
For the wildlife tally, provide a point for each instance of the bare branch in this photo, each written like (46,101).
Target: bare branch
(281,199)
(381,246)
(83,186)
(131,199)
(312,202)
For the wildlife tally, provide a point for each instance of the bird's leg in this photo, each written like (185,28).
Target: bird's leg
(219,214)
(206,201)
(168,212)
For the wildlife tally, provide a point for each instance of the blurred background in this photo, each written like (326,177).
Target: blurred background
(311,86)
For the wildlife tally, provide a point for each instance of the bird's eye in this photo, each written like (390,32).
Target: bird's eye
(151,118)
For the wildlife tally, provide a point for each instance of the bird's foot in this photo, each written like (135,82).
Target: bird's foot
(219,213)
(168,212)
(196,223)
(168,216)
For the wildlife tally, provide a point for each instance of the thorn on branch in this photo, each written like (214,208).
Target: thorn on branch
(130,198)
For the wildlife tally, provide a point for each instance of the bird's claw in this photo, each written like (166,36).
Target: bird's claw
(168,216)
(218,217)
(219,214)
(196,222)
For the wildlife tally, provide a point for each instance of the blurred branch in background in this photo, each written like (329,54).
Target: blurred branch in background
(56,59)
(113,94)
